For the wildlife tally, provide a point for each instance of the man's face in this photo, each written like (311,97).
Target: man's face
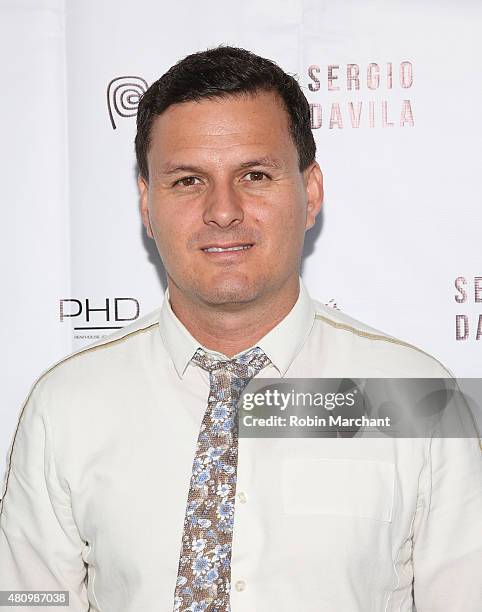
(223,173)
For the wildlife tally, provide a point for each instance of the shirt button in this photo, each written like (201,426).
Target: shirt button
(242,498)
(240,585)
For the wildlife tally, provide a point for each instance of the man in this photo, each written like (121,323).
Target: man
(127,485)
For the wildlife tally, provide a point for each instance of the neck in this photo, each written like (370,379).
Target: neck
(227,331)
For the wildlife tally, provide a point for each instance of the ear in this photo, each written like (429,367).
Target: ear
(314,192)
(144,199)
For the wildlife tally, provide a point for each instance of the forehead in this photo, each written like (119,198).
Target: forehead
(222,129)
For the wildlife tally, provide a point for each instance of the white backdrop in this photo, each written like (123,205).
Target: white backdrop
(395,90)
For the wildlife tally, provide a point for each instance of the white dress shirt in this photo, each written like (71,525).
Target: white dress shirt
(99,470)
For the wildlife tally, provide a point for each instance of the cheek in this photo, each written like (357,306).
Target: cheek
(167,221)
(280,217)
(168,232)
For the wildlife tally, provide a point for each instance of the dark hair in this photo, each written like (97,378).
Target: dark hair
(220,72)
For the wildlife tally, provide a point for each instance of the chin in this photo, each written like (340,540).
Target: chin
(229,291)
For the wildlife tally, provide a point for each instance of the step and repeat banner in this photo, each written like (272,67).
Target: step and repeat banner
(394,89)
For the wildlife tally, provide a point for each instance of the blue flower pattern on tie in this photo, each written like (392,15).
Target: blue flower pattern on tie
(204,573)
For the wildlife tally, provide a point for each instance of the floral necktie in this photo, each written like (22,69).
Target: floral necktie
(204,574)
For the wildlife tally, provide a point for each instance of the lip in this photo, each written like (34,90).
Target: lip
(226,246)
(228,256)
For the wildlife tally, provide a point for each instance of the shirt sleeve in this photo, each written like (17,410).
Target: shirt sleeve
(447,542)
(40,546)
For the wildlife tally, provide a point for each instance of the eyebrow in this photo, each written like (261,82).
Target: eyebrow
(265,162)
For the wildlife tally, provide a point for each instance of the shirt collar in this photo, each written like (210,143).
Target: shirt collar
(281,344)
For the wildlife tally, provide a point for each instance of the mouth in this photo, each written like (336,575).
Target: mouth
(228,248)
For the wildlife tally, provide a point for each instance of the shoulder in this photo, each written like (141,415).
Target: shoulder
(101,358)
(80,375)
(389,354)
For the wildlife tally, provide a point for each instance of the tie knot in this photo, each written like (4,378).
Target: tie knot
(246,365)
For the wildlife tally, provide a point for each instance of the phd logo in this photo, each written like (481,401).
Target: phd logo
(123,95)
(93,317)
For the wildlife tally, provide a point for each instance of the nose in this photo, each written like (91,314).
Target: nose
(223,206)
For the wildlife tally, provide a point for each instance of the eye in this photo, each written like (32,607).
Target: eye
(186,181)
(256,176)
